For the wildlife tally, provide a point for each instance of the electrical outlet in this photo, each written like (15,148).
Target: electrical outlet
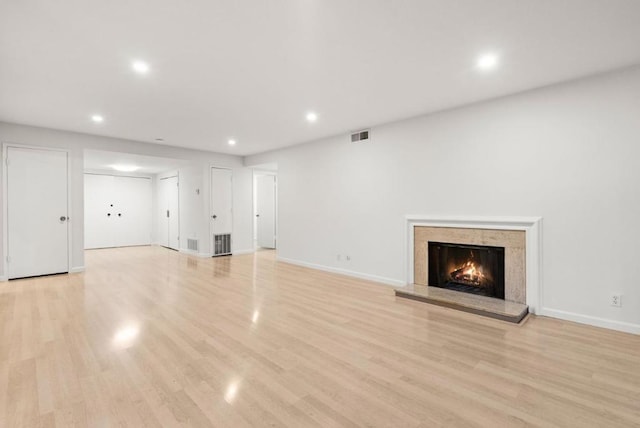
(616,300)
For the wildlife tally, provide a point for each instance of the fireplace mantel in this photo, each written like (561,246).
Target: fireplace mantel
(532,226)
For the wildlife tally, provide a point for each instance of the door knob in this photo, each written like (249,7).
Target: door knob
(214,216)
(257,215)
(63,218)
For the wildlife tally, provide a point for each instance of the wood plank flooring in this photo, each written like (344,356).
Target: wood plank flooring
(151,337)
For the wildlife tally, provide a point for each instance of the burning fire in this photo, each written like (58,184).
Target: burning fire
(469,274)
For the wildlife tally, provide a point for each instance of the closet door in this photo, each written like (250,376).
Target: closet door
(221,201)
(37,218)
(99,211)
(174,213)
(132,214)
(266,210)
(221,211)
(163,213)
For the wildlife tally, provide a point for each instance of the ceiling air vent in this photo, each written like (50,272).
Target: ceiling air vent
(360,136)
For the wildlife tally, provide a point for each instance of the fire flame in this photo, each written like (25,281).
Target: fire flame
(471,270)
(468,273)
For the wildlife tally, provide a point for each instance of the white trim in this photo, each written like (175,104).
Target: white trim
(626,327)
(117,173)
(532,226)
(4,278)
(77,269)
(5,207)
(388,281)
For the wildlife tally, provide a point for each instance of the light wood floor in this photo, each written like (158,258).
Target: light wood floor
(150,337)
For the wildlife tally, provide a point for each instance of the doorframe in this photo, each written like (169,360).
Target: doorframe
(122,175)
(5,208)
(210,228)
(159,177)
(254,203)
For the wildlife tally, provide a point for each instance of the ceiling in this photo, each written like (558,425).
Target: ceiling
(251,70)
(98,160)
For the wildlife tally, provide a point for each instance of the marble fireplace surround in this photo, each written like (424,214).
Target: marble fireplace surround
(521,237)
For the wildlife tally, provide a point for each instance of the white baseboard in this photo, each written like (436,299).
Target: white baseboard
(626,327)
(4,278)
(388,281)
(77,269)
(239,252)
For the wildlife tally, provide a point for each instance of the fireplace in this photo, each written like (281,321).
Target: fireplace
(475,269)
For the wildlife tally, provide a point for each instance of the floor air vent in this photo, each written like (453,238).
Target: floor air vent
(221,244)
(192,244)
(360,136)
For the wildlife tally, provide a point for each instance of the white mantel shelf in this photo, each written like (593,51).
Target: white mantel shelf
(532,226)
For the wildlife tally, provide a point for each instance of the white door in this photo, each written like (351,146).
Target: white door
(266,210)
(132,211)
(163,213)
(221,201)
(37,220)
(168,210)
(99,224)
(174,213)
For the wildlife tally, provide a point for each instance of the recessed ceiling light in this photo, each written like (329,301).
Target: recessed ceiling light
(97,118)
(312,117)
(487,61)
(232,142)
(140,67)
(125,168)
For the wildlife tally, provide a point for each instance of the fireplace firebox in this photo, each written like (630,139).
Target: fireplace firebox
(476,269)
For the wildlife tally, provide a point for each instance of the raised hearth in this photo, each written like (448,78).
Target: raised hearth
(476,304)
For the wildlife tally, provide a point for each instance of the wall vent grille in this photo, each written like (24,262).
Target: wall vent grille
(192,244)
(360,136)
(221,244)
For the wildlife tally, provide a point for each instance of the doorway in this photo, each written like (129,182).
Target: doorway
(131,200)
(37,212)
(169,212)
(117,210)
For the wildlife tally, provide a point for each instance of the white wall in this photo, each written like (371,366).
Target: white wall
(569,153)
(76,143)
